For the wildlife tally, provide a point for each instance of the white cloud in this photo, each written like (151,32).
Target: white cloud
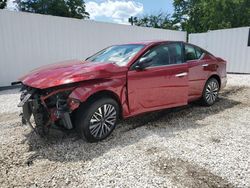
(118,11)
(11,5)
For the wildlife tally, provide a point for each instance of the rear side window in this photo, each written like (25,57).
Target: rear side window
(190,53)
(199,52)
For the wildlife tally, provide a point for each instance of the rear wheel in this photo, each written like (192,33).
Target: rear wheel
(96,120)
(210,92)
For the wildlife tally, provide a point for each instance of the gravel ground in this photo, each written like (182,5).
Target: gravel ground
(191,146)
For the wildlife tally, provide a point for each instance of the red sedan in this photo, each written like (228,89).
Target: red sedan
(119,82)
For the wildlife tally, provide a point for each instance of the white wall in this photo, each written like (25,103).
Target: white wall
(229,44)
(31,40)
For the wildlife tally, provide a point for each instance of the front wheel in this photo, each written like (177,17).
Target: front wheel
(210,92)
(96,121)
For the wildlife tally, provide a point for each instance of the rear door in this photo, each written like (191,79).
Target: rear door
(197,64)
(163,84)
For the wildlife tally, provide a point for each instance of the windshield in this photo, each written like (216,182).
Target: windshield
(119,54)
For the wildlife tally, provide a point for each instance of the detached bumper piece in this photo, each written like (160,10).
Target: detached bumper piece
(29,108)
(26,116)
(24,103)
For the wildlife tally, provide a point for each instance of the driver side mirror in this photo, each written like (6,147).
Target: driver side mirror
(143,63)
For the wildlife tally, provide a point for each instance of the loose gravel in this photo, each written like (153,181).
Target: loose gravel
(191,146)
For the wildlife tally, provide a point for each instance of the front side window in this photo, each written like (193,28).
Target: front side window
(119,54)
(166,54)
(190,53)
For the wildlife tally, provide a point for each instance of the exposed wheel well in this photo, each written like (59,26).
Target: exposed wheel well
(103,94)
(216,77)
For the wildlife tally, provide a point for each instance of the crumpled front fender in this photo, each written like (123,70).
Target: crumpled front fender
(115,85)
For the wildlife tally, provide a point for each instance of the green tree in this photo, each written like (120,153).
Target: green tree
(3,4)
(64,8)
(160,20)
(203,15)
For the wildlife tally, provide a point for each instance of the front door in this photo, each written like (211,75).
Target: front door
(161,85)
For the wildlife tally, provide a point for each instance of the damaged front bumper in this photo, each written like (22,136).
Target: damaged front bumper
(47,108)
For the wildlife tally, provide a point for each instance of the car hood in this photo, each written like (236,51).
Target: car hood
(70,72)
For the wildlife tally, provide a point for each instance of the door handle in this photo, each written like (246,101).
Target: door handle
(205,65)
(181,74)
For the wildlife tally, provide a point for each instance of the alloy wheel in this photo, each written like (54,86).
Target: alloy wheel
(102,121)
(212,91)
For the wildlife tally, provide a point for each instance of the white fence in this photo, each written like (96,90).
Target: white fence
(229,44)
(29,40)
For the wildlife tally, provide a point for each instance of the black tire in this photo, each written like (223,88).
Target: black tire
(210,92)
(93,125)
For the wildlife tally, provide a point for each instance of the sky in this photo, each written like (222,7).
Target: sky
(118,11)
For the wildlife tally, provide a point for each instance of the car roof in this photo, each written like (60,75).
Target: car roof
(155,42)
(150,42)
